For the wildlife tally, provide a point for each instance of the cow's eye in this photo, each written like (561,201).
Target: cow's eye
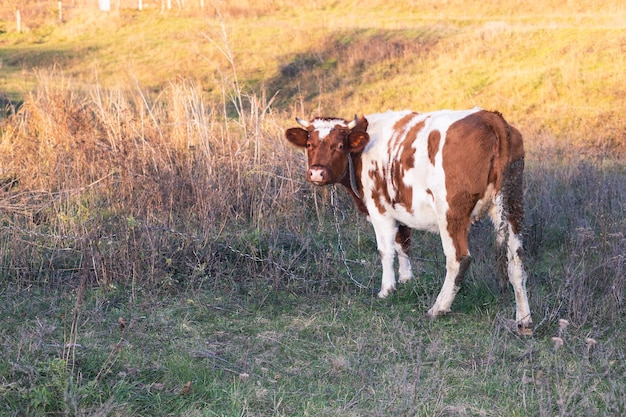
(340,146)
(308,144)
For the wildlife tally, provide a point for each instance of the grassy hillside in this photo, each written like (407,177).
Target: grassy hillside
(161,254)
(549,66)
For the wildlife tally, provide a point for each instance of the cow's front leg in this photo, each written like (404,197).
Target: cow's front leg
(386,230)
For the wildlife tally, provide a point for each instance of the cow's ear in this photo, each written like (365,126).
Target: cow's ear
(358,139)
(297,136)
(362,124)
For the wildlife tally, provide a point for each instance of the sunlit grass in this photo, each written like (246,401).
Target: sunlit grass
(546,66)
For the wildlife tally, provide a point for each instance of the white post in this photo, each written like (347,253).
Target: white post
(105,5)
(18,19)
(60,5)
(139,5)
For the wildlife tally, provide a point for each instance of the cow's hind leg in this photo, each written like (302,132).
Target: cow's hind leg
(454,233)
(403,244)
(507,217)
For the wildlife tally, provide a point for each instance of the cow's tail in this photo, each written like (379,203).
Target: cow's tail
(509,167)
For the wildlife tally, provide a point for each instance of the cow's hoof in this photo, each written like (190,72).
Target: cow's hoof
(405,279)
(433,313)
(525,329)
(384,292)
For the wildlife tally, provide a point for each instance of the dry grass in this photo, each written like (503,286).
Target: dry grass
(108,171)
(121,186)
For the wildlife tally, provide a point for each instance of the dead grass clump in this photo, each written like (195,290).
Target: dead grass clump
(123,186)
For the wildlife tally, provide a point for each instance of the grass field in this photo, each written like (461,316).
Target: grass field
(161,254)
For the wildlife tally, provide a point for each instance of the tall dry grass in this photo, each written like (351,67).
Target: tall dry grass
(576,233)
(121,186)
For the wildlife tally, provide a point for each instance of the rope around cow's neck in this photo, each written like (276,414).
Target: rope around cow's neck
(352,177)
(333,202)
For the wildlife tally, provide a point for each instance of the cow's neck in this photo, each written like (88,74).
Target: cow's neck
(352,181)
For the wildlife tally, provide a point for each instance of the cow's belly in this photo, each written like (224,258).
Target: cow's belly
(424,218)
(421,216)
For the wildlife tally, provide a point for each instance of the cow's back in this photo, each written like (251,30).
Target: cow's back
(406,164)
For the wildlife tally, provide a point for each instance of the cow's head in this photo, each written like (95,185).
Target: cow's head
(329,143)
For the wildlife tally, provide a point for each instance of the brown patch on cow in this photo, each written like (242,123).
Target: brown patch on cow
(380,192)
(433,145)
(464,264)
(407,156)
(401,163)
(403,238)
(468,157)
(458,218)
(401,124)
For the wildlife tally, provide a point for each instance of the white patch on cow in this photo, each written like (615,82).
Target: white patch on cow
(517,277)
(449,289)
(324,126)
(386,229)
(496,213)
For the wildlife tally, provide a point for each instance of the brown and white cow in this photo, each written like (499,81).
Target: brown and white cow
(432,171)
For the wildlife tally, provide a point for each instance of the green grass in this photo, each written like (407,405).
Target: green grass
(199,353)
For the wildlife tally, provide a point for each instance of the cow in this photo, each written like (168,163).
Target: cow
(438,172)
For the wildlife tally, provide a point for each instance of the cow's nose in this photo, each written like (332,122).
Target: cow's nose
(317,175)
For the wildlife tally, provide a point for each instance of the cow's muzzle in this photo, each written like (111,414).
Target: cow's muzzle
(318,175)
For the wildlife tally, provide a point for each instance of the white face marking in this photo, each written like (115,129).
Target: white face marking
(324,127)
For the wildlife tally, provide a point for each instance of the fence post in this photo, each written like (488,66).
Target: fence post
(105,5)
(18,21)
